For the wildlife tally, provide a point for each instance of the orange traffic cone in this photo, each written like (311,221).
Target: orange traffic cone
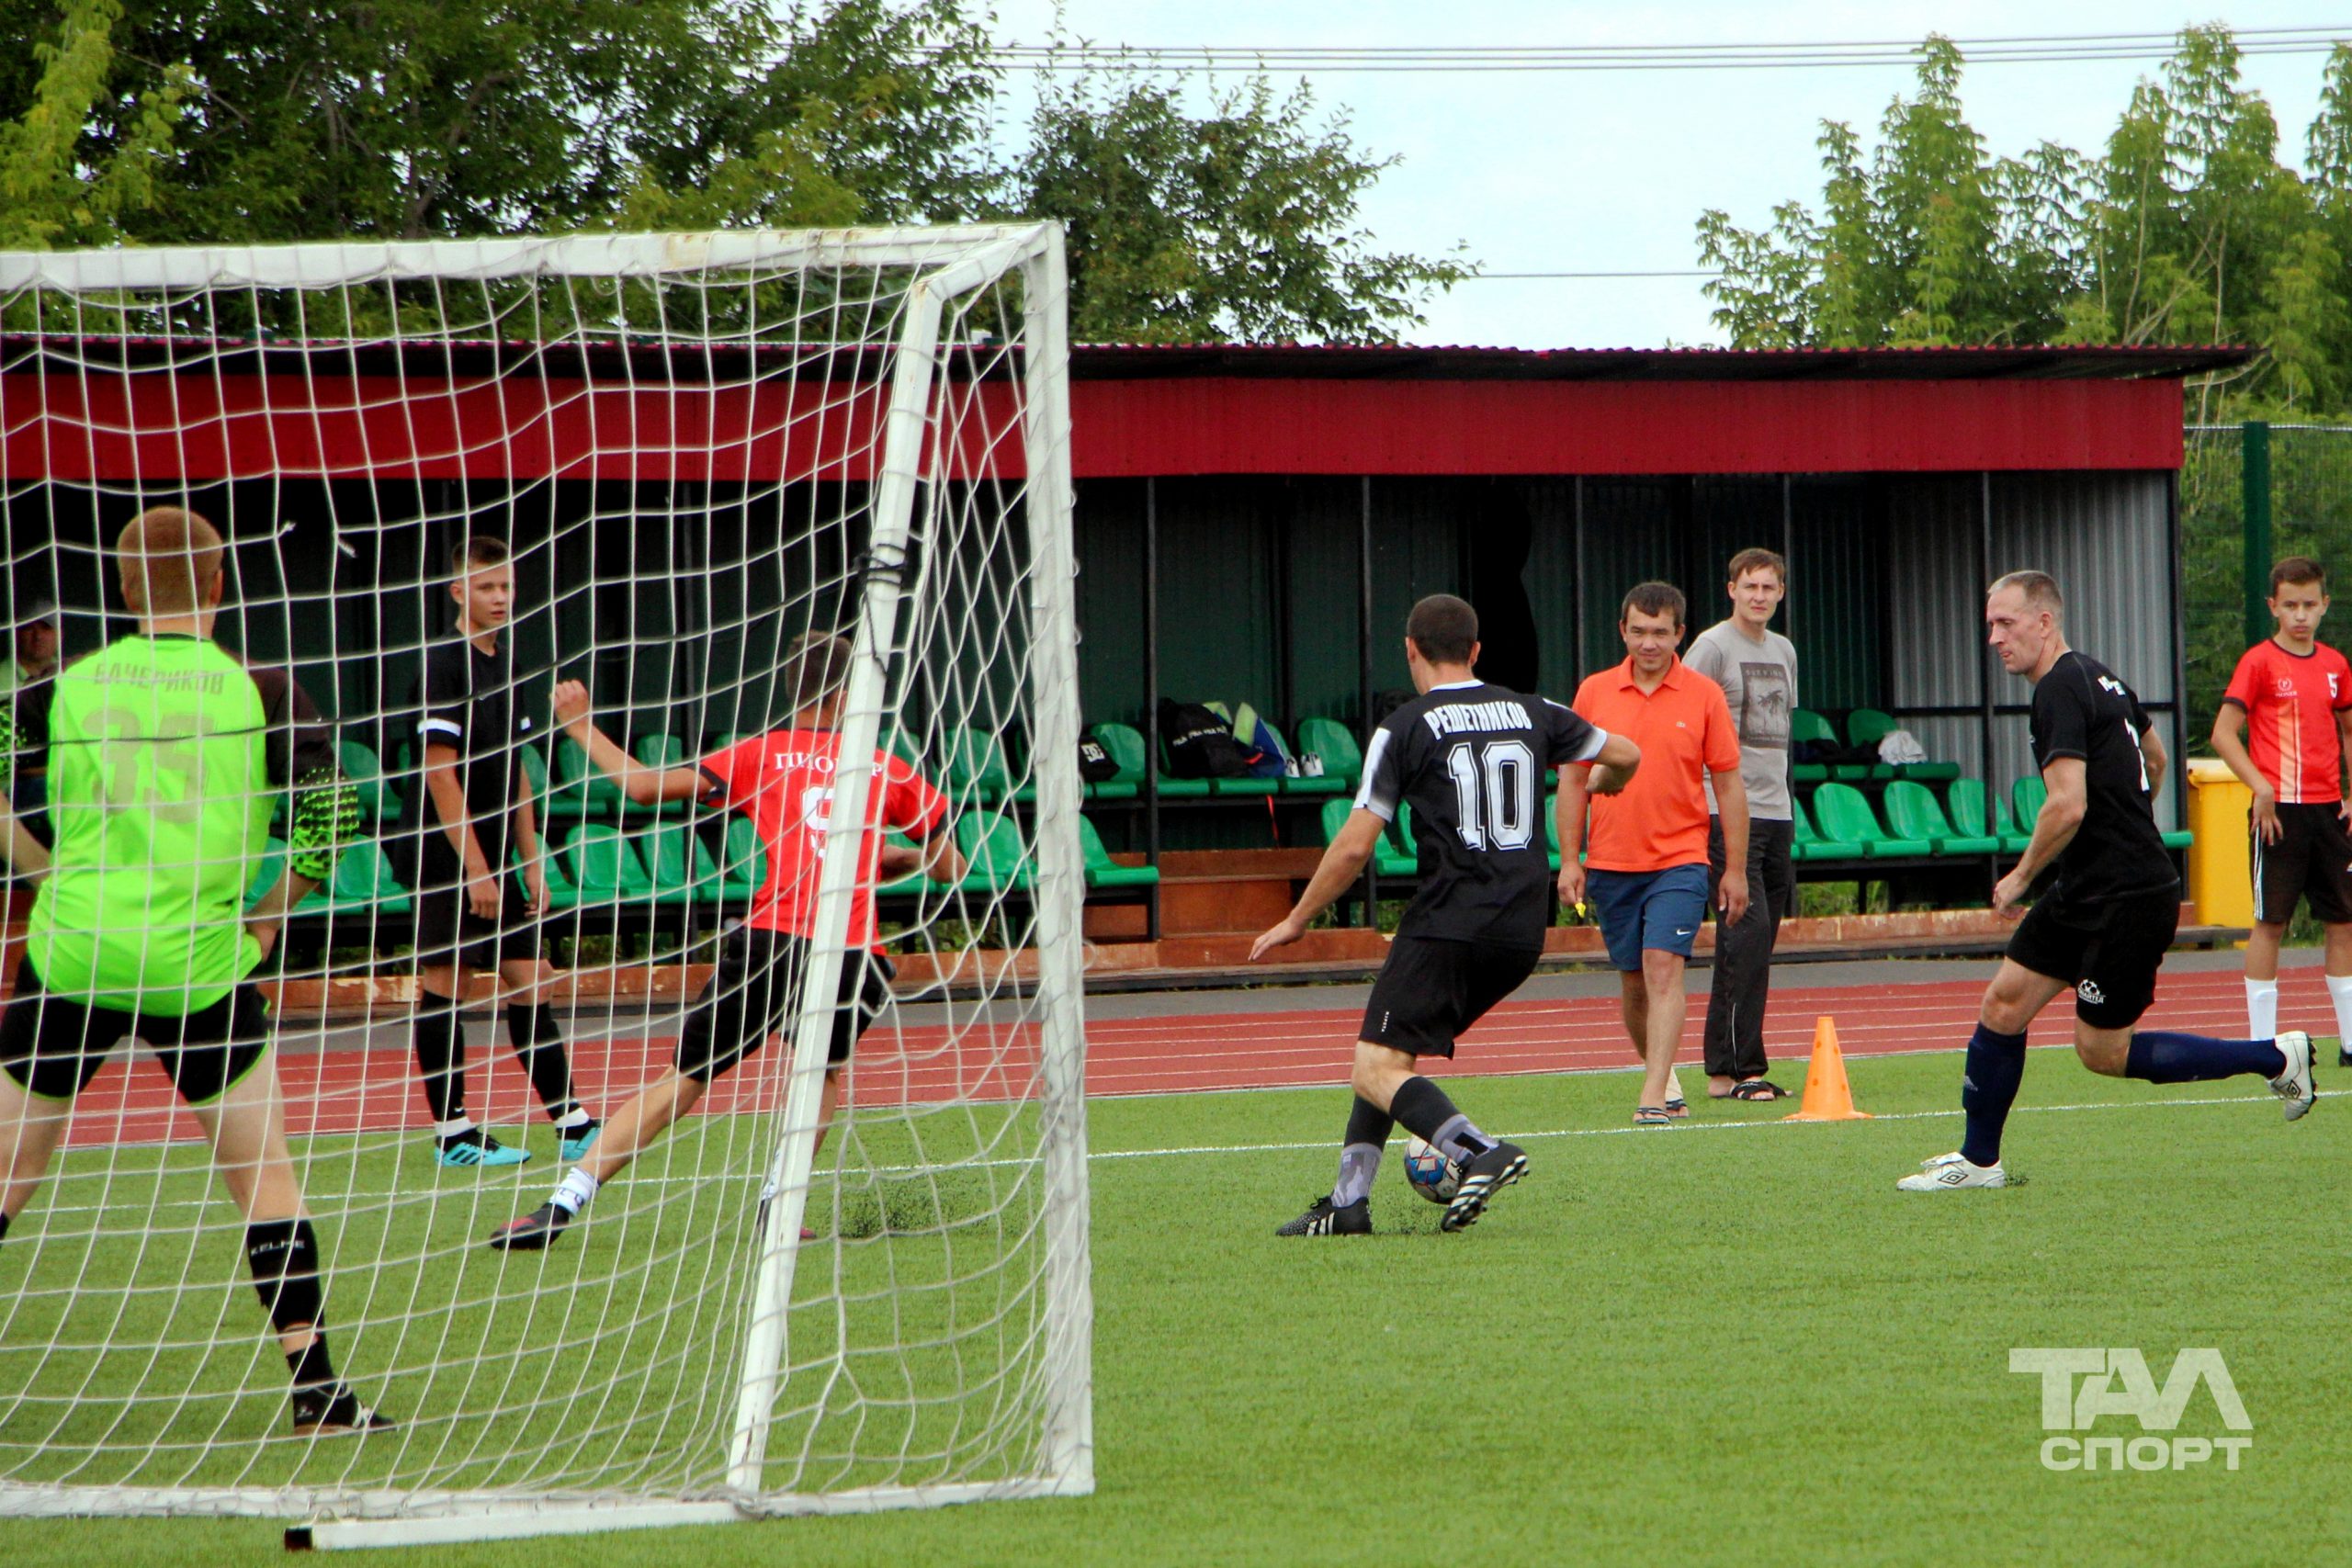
(1827,1096)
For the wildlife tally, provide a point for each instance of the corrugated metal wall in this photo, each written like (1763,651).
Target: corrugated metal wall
(2103,537)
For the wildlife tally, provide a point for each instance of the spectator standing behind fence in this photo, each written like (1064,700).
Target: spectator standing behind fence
(1648,873)
(1756,668)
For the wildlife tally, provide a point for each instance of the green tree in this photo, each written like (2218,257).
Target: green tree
(58,185)
(2185,228)
(1238,223)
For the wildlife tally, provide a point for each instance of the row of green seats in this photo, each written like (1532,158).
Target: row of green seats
(1393,854)
(1864,727)
(1327,738)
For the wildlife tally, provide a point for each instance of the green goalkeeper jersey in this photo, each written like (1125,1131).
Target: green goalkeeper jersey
(166,759)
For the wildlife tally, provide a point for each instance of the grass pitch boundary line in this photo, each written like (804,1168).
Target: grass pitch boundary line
(823,1178)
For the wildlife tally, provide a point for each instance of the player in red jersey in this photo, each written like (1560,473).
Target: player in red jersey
(2283,727)
(783,780)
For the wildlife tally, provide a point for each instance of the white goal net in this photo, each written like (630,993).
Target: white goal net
(704,454)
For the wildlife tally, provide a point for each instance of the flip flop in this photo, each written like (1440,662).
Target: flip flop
(1652,1116)
(1677,1109)
(1758,1089)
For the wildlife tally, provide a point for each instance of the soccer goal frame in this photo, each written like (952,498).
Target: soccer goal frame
(935,267)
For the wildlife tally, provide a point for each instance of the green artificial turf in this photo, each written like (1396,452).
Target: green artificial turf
(1733,1341)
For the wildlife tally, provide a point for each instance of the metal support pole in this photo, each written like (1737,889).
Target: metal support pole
(905,434)
(2179,619)
(2254,476)
(1985,650)
(1152,694)
(1364,725)
(1068,1444)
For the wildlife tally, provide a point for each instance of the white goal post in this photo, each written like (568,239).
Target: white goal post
(699,447)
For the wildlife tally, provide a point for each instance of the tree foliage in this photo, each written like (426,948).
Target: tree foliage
(2185,228)
(172,121)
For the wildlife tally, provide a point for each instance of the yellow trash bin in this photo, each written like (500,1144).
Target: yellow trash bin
(2221,883)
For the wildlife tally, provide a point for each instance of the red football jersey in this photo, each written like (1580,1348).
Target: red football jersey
(784,782)
(2290,703)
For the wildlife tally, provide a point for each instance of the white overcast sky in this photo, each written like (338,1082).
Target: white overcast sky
(1592,171)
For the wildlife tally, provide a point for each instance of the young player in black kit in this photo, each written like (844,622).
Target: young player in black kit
(2102,928)
(1472,759)
(470,807)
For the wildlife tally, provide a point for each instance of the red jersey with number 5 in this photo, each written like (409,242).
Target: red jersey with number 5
(2290,702)
(784,782)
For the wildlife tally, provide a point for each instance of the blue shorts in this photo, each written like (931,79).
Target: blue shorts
(1640,909)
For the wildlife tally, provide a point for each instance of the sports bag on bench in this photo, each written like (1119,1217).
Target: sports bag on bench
(1199,744)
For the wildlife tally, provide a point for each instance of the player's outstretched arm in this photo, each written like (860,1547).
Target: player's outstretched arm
(1342,863)
(1614,769)
(646,786)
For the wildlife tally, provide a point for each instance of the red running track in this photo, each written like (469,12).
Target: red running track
(372,1089)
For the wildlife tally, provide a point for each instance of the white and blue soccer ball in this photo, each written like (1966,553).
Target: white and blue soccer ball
(1430,1173)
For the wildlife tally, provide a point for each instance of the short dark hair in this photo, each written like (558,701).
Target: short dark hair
(475,553)
(1444,629)
(815,668)
(2040,590)
(1755,558)
(1653,599)
(2297,569)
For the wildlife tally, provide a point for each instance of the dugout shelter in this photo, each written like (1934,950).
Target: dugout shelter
(1252,523)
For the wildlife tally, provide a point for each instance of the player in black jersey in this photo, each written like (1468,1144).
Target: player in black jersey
(1471,759)
(468,815)
(2102,927)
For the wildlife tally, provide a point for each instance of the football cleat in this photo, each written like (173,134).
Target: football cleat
(332,1410)
(532,1232)
(1483,1175)
(476,1147)
(2343,1056)
(1324,1218)
(577,1141)
(1949,1173)
(2294,1085)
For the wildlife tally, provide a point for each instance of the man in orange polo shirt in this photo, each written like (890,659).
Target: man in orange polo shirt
(1648,865)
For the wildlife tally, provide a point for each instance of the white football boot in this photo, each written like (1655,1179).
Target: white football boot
(1946,1172)
(2294,1085)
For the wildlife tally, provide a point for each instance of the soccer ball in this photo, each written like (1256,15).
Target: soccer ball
(1431,1174)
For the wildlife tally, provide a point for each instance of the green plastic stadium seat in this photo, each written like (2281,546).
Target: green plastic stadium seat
(362,882)
(579,787)
(1325,784)
(606,865)
(1868,726)
(2026,798)
(1805,725)
(1552,828)
(1912,811)
(668,854)
(359,770)
(661,751)
(1125,746)
(561,893)
(997,858)
(1386,858)
(976,770)
(1808,845)
(743,869)
(1102,871)
(535,773)
(1846,816)
(1966,799)
(1336,744)
(2178,839)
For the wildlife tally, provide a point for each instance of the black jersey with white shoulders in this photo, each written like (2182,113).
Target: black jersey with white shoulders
(1473,761)
(465,700)
(2082,709)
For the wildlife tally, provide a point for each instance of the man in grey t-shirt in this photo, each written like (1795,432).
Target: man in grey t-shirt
(1756,668)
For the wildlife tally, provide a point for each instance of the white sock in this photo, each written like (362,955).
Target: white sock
(1673,1086)
(572,1194)
(576,1117)
(450,1129)
(2262,1009)
(2339,991)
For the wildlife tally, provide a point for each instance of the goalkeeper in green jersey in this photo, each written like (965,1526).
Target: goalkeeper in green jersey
(166,756)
